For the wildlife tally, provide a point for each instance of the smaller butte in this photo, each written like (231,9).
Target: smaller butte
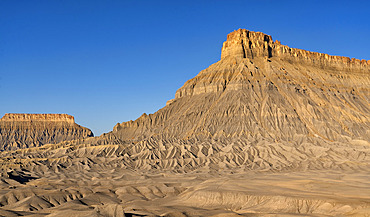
(34,130)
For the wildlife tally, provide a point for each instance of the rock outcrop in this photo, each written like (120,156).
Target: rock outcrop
(58,118)
(247,44)
(33,130)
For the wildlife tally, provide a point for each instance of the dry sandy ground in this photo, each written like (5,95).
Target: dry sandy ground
(187,178)
(121,192)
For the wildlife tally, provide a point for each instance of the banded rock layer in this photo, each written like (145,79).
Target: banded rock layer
(247,44)
(33,130)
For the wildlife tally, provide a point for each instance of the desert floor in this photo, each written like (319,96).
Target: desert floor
(121,192)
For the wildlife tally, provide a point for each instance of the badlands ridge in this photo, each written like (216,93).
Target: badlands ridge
(266,131)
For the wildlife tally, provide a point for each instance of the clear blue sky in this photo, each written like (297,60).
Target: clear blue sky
(106,62)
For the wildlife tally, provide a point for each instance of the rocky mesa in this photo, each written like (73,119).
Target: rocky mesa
(261,88)
(33,130)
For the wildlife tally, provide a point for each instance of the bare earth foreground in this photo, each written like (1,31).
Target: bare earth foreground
(266,131)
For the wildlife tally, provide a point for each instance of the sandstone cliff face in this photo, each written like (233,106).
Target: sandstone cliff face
(33,130)
(246,44)
(60,118)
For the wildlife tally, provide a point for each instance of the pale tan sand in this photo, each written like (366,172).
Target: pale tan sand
(119,191)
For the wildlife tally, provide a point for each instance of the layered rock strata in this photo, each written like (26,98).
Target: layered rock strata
(33,130)
(247,44)
(61,118)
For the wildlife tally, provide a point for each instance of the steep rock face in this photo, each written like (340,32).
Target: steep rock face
(61,118)
(33,130)
(247,44)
